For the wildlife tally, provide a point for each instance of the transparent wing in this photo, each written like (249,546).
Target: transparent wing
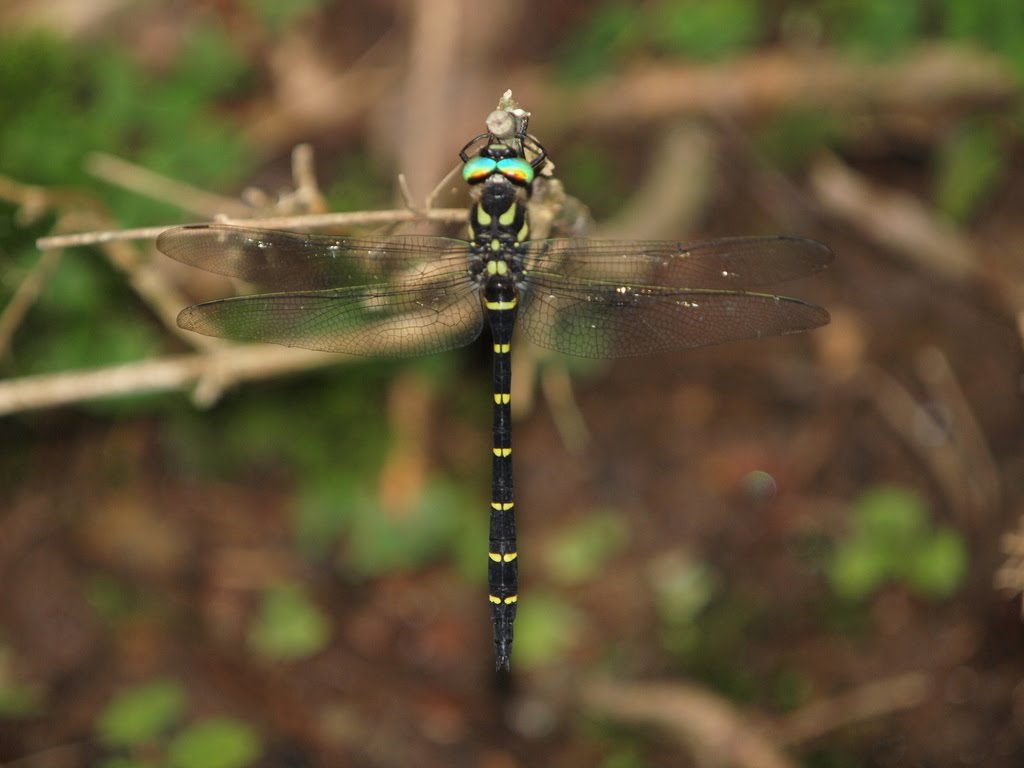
(734,263)
(289,261)
(615,320)
(442,315)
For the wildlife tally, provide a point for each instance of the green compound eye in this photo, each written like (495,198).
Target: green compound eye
(478,169)
(516,170)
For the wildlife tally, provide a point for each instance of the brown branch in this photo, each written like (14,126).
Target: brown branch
(867,702)
(894,219)
(708,724)
(214,373)
(930,79)
(143,181)
(307,221)
(25,297)
(721,734)
(918,429)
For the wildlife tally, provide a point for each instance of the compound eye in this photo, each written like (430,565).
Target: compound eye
(478,169)
(516,170)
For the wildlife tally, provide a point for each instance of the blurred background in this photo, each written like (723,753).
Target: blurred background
(793,552)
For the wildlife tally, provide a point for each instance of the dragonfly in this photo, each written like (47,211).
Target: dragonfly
(403,295)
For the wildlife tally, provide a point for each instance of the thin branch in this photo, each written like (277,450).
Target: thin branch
(721,734)
(919,430)
(708,724)
(25,297)
(978,466)
(308,221)
(216,372)
(868,702)
(156,186)
(930,79)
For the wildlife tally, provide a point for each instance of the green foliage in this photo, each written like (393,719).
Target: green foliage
(695,29)
(683,588)
(141,714)
(327,426)
(80,324)
(590,172)
(579,552)
(876,27)
(970,164)
(358,185)
(124,762)
(17,700)
(893,540)
(289,625)
(546,628)
(707,636)
(625,757)
(994,24)
(704,30)
(215,743)
(832,758)
(62,102)
(609,32)
(113,598)
(278,16)
(140,721)
(714,649)
(792,689)
(379,540)
(792,138)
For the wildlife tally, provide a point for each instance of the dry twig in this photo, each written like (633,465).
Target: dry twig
(930,80)
(715,730)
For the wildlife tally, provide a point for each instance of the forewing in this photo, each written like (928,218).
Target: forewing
(607,320)
(290,261)
(733,263)
(381,323)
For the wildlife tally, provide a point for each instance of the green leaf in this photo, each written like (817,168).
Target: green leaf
(141,714)
(215,743)
(278,16)
(891,518)
(705,30)
(611,30)
(19,701)
(970,164)
(859,569)
(790,139)
(289,625)
(579,552)
(938,567)
(993,24)
(124,762)
(546,628)
(877,27)
(683,587)
(380,540)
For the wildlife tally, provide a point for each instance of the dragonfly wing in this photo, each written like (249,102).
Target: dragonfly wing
(731,264)
(607,320)
(375,323)
(289,261)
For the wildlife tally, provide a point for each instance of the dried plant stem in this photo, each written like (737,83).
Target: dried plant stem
(143,181)
(306,221)
(214,373)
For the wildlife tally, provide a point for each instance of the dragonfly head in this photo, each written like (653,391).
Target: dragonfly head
(498,163)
